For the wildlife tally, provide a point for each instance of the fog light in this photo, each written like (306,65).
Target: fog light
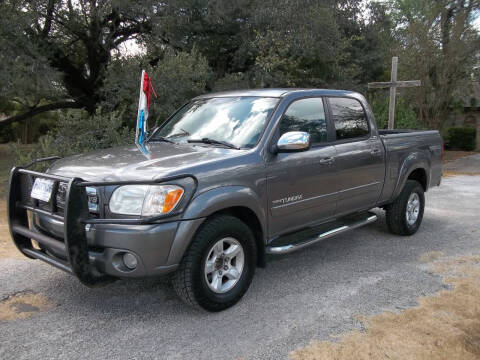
(130,261)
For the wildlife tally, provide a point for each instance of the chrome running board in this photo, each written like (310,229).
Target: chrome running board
(347,225)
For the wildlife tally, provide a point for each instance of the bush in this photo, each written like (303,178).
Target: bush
(462,138)
(77,132)
(405,115)
(31,130)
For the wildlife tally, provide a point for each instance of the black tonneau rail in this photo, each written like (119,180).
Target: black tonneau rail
(74,245)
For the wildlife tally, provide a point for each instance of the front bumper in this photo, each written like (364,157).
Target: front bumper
(151,244)
(92,249)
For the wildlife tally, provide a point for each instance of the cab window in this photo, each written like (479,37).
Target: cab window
(349,118)
(306,115)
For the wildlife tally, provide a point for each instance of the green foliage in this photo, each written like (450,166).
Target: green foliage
(69,54)
(55,52)
(77,132)
(26,77)
(405,115)
(303,46)
(60,54)
(437,43)
(176,78)
(461,138)
(235,81)
(29,131)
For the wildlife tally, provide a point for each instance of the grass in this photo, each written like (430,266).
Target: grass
(450,173)
(430,256)
(443,326)
(6,163)
(7,248)
(455,155)
(452,155)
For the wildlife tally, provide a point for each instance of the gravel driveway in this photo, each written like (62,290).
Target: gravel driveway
(312,294)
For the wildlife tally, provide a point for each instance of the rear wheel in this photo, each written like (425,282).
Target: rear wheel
(405,214)
(219,266)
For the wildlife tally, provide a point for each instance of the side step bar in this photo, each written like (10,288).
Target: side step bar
(285,249)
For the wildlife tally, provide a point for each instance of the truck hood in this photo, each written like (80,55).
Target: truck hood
(131,162)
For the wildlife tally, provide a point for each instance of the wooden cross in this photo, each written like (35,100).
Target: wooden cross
(393,85)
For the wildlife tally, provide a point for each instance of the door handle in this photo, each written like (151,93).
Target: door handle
(375,151)
(327,161)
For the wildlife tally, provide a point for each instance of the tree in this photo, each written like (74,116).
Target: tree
(63,48)
(438,45)
(298,46)
(60,54)
(368,26)
(176,78)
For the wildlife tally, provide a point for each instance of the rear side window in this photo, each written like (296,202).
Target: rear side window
(306,115)
(349,118)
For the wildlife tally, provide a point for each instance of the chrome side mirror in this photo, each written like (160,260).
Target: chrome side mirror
(293,141)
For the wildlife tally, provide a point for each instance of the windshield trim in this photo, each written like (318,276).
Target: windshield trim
(267,121)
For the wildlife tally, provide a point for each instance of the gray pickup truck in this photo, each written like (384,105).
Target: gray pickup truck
(226,180)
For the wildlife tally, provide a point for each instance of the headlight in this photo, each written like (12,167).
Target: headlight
(145,200)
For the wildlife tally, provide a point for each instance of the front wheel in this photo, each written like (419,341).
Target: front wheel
(218,267)
(405,214)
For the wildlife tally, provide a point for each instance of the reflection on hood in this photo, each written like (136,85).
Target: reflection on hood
(139,163)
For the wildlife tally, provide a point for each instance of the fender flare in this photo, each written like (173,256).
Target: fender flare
(414,161)
(224,197)
(208,203)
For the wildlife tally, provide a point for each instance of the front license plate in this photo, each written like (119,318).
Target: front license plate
(42,189)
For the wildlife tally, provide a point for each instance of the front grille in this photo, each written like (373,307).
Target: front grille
(27,182)
(61,195)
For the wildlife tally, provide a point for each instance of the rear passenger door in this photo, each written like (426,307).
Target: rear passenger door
(360,156)
(301,186)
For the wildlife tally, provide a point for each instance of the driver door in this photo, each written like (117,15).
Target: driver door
(301,186)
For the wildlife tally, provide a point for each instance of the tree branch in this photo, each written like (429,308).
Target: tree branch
(39,110)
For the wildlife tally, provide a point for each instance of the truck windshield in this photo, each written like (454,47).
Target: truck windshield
(238,121)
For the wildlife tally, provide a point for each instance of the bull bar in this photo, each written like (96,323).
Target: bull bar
(75,217)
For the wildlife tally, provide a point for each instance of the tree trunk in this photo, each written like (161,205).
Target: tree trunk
(25,132)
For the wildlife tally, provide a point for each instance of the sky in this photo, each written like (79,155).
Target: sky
(476,23)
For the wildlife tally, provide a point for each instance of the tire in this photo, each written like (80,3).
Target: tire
(397,219)
(205,291)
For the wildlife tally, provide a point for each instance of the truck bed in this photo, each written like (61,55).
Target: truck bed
(421,146)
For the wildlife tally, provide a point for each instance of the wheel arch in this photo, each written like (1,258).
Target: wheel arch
(419,174)
(414,167)
(237,201)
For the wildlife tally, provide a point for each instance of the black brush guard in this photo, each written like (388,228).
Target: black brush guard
(75,217)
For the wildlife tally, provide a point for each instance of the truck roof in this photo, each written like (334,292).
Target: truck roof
(276,92)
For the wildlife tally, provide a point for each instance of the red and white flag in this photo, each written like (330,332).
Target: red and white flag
(146,89)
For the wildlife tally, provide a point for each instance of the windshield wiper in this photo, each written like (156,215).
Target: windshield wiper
(162,138)
(214,142)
